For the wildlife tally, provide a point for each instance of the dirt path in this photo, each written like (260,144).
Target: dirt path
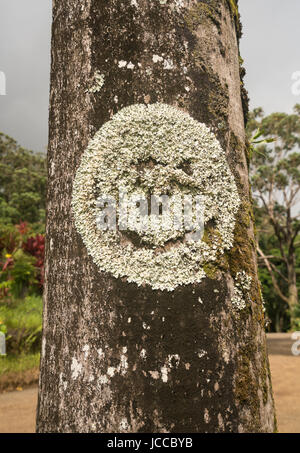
(285,369)
(17,409)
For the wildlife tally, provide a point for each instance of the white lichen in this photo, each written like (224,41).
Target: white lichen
(122,63)
(121,368)
(124,424)
(154,374)
(99,80)
(179,3)
(86,349)
(164,373)
(168,64)
(118,158)
(101,354)
(201,353)
(103,379)
(172,361)
(206,416)
(241,290)
(157,58)
(111,371)
(76,368)
(143,354)
(62,383)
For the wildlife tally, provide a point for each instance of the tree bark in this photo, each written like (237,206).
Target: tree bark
(106,341)
(292,282)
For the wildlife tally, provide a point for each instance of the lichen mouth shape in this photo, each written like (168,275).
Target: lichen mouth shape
(163,150)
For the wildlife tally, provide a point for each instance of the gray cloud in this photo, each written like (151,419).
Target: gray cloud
(269,48)
(25,60)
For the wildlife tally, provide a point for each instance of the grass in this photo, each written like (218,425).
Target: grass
(19,364)
(19,371)
(26,313)
(22,319)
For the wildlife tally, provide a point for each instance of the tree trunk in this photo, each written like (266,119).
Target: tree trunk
(292,284)
(123,357)
(291,269)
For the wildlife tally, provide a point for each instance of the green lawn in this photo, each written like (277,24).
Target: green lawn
(18,364)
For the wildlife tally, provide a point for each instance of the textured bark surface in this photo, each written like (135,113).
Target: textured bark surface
(106,341)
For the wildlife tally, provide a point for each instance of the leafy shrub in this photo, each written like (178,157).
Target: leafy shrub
(23,184)
(19,273)
(3,327)
(9,238)
(21,261)
(23,321)
(35,246)
(296,318)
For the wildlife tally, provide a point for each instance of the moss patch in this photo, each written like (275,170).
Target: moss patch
(236,16)
(200,13)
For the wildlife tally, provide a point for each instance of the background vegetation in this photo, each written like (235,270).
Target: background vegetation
(275,176)
(22,220)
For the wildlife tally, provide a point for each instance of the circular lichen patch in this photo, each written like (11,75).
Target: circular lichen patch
(155,149)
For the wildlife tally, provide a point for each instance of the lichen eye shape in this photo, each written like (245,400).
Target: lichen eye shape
(155,149)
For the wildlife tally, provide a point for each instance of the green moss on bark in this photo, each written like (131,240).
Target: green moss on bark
(201,12)
(233,5)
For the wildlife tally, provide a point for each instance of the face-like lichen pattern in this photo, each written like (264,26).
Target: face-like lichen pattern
(155,149)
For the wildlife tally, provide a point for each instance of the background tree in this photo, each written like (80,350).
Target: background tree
(22,184)
(276,185)
(122,357)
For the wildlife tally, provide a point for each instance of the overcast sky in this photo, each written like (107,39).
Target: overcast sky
(270,48)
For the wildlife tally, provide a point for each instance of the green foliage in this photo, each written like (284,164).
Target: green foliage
(254,141)
(235,13)
(22,219)
(22,184)
(277,310)
(18,364)
(23,321)
(23,272)
(296,318)
(20,276)
(275,178)
(3,327)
